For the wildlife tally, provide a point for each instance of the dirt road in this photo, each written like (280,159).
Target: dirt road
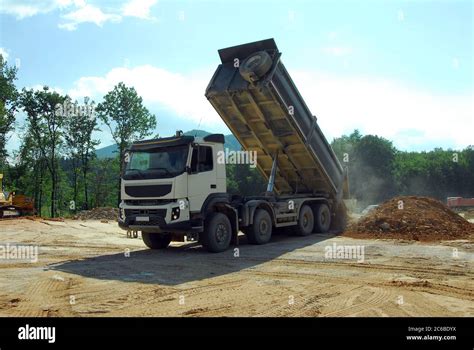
(90,268)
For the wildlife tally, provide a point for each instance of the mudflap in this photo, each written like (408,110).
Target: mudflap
(340,218)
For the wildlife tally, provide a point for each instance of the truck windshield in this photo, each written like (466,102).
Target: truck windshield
(156,163)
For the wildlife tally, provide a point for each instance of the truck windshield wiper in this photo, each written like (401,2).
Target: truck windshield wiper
(167,171)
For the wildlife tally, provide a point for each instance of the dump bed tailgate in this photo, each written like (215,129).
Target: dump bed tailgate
(270,117)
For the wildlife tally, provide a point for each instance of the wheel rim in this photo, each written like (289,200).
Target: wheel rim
(221,233)
(305,220)
(263,228)
(324,218)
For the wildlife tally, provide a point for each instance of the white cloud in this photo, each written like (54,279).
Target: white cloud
(337,51)
(182,95)
(75,12)
(86,13)
(27,8)
(410,117)
(138,8)
(4,53)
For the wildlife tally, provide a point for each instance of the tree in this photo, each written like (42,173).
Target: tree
(45,126)
(31,170)
(127,119)
(80,145)
(370,163)
(8,106)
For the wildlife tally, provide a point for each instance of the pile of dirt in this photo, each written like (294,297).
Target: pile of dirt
(101,213)
(411,217)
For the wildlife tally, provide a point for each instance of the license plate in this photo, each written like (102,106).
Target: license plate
(142,218)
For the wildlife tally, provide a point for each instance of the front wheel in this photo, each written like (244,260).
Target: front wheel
(217,233)
(156,240)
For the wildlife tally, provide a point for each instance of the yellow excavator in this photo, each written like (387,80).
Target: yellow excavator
(14,204)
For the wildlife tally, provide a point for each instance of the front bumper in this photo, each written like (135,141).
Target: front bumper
(157,218)
(157,225)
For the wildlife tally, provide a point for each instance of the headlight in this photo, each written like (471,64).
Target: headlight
(122,214)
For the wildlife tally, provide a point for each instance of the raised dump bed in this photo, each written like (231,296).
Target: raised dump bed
(257,99)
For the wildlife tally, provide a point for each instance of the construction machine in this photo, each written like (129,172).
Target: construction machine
(13,204)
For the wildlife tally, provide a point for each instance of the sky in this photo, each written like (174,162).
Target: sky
(398,69)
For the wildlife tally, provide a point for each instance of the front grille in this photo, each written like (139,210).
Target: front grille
(148,191)
(154,212)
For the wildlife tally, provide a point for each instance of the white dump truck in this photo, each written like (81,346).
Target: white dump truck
(175,187)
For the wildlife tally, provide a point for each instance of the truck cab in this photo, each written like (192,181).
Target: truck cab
(166,183)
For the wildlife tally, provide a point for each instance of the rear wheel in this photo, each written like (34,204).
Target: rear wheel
(260,231)
(156,240)
(305,221)
(217,233)
(323,218)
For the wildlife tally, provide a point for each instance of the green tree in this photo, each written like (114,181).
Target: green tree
(80,145)
(244,180)
(126,117)
(31,170)
(8,105)
(45,126)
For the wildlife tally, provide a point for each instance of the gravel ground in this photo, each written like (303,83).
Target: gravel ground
(90,268)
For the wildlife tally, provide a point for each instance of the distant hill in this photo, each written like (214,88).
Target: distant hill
(230,143)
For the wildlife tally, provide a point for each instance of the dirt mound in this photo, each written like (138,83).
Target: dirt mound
(410,217)
(102,213)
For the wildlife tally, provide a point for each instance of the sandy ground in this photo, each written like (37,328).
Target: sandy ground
(90,268)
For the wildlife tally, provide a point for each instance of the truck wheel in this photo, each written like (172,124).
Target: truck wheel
(156,240)
(217,233)
(323,218)
(260,231)
(305,221)
(255,66)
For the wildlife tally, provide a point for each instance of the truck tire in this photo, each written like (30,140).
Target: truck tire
(305,224)
(255,66)
(323,218)
(260,231)
(156,240)
(217,233)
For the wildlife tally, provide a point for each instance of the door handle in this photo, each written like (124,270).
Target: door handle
(213,186)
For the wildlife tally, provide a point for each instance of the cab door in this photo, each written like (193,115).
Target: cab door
(202,179)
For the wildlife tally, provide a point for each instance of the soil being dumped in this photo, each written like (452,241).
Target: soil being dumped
(413,218)
(101,213)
